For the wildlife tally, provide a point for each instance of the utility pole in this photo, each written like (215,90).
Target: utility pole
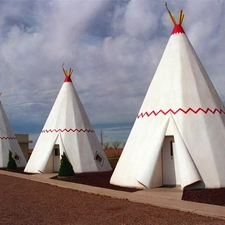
(101,138)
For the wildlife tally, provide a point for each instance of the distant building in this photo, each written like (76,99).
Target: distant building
(23,140)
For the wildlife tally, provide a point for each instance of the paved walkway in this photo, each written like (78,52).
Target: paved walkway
(162,197)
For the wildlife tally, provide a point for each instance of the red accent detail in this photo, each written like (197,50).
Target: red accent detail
(220,111)
(6,138)
(68,130)
(67,79)
(178,29)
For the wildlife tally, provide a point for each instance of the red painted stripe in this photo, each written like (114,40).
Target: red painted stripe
(8,138)
(67,130)
(208,110)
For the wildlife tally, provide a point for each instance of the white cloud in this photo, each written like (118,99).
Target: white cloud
(114,48)
(140,20)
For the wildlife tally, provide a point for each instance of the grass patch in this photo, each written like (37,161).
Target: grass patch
(113,158)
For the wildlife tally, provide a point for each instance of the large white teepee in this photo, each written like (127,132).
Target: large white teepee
(8,142)
(68,130)
(178,137)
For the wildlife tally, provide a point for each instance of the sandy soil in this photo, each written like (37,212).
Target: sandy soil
(29,202)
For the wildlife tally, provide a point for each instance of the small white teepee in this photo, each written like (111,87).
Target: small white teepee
(8,142)
(68,129)
(178,137)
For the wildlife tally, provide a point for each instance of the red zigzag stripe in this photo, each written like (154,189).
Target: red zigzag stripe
(8,138)
(68,130)
(208,110)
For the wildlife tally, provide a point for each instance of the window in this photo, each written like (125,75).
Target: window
(17,157)
(99,158)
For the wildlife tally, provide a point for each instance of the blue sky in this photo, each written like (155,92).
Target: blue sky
(114,47)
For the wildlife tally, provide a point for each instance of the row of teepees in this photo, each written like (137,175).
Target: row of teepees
(178,137)
(67,130)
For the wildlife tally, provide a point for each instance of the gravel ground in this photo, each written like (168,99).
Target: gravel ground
(30,202)
(208,196)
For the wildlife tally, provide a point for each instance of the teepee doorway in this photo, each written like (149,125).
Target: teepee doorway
(56,158)
(170,173)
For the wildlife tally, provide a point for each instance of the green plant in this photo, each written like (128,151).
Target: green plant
(11,162)
(113,158)
(66,168)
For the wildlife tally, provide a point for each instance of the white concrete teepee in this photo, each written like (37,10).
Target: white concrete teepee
(68,130)
(178,137)
(8,142)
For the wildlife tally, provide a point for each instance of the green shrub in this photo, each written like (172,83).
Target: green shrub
(66,168)
(11,162)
